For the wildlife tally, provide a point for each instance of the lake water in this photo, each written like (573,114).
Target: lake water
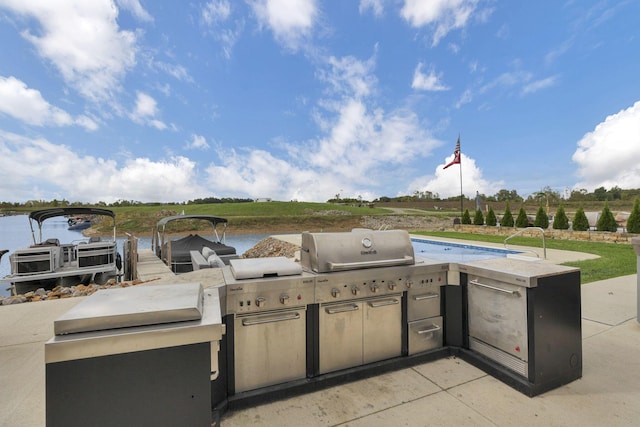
(16,234)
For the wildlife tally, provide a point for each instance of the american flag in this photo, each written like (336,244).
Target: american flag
(456,155)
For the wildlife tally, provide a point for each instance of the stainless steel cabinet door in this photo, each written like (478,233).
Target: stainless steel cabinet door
(269,349)
(340,339)
(498,315)
(382,329)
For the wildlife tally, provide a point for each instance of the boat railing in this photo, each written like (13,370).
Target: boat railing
(544,244)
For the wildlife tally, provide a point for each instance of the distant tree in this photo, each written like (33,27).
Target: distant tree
(491,219)
(466,218)
(607,221)
(580,221)
(506,195)
(507,218)
(560,220)
(478,219)
(542,219)
(522,221)
(600,194)
(633,223)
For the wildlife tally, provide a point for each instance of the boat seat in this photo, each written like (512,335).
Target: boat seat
(94,239)
(207,252)
(198,261)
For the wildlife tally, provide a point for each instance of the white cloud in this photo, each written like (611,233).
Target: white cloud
(22,161)
(216,11)
(608,156)
(198,142)
(145,111)
(446,182)
(357,150)
(443,15)
(429,82)
(215,15)
(375,6)
(26,104)
(291,21)
(83,42)
(539,85)
(136,9)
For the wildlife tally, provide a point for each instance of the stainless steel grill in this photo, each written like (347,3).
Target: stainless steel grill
(362,278)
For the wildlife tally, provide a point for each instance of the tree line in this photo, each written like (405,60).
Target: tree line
(606,220)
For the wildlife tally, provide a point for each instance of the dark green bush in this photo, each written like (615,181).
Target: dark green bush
(607,221)
(507,218)
(466,218)
(633,223)
(522,221)
(560,220)
(491,219)
(478,219)
(542,219)
(580,221)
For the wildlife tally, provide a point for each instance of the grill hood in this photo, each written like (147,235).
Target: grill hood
(360,248)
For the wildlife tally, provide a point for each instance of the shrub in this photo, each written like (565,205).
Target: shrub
(478,219)
(491,219)
(542,220)
(606,222)
(633,223)
(466,218)
(580,221)
(507,218)
(560,221)
(522,221)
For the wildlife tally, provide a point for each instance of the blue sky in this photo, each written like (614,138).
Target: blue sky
(304,99)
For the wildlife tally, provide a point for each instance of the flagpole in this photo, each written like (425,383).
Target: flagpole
(461,194)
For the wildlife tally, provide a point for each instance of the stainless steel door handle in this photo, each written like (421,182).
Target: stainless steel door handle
(342,309)
(260,321)
(433,328)
(425,296)
(383,303)
(494,288)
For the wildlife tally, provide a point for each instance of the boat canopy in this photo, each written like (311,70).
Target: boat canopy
(214,220)
(42,215)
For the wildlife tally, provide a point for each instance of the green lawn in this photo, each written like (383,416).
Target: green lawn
(615,259)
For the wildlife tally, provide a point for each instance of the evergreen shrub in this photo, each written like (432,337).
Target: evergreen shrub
(607,221)
(466,218)
(560,220)
(478,219)
(542,219)
(491,219)
(633,223)
(522,221)
(507,218)
(580,221)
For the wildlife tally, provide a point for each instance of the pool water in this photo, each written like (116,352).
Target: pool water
(456,252)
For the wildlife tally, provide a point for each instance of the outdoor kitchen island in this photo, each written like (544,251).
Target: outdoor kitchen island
(357,305)
(378,308)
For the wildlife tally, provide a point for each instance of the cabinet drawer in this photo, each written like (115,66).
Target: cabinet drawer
(425,335)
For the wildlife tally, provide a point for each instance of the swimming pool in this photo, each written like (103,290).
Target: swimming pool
(456,252)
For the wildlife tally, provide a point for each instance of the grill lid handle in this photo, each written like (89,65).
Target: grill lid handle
(338,266)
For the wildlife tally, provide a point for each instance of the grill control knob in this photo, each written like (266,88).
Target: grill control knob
(374,288)
(392,286)
(284,299)
(335,292)
(355,290)
(409,283)
(260,301)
